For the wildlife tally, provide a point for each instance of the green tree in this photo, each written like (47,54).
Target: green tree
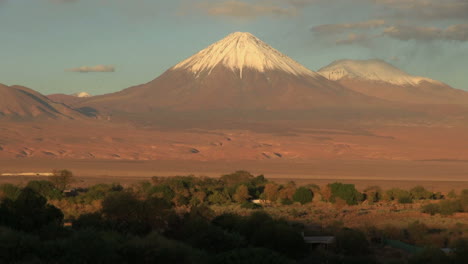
(9,191)
(237,177)
(346,192)
(62,179)
(46,189)
(396,194)
(449,207)
(219,197)
(29,212)
(303,195)
(373,194)
(420,193)
(271,191)
(431,209)
(242,194)
(452,194)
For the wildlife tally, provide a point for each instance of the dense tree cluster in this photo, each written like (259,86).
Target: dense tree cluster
(171,220)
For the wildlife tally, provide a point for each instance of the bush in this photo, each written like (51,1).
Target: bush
(29,212)
(346,192)
(303,195)
(449,207)
(420,193)
(9,191)
(373,194)
(405,200)
(46,189)
(431,209)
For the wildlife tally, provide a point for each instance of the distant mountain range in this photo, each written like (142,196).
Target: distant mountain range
(21,103)
(69,99)
(242,73)
(240,99)
(380,79)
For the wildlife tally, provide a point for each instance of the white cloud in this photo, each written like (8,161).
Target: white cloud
(97,68)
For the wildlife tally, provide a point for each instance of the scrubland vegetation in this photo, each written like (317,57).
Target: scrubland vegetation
(237,218)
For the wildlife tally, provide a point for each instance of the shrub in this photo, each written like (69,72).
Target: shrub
(402,196)
(29,212)
(346,192)
(9,191)
(452,194)
(373,194)
(431,209)
(219,197)
(405,200)
(303,195)
(46,189)
(420,193)
(449,207)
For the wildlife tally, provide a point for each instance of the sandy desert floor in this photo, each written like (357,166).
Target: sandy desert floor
(388,154)
(434,175)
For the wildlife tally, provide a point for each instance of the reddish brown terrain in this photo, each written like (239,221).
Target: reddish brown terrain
(21,103)
(268,114)
(65,98)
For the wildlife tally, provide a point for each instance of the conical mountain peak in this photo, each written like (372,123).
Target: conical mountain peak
(240,51)
(371,70)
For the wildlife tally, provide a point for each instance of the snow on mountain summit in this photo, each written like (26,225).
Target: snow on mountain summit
(242,50)
(373,70)
(81,94)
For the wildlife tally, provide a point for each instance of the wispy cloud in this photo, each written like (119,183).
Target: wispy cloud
(345,27)
(63,1)
(352,38)
(425,9)
(88,69)
(244,10)
(454,33)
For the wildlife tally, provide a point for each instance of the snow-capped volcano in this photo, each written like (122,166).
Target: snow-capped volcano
(380,79)
(371,70)
(240,51)
(239,72)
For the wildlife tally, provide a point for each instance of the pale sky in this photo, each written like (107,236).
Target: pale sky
(102,46)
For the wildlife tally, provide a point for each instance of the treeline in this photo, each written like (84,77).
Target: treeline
(453,204)
(240,187)
(170,220)
(166,221)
